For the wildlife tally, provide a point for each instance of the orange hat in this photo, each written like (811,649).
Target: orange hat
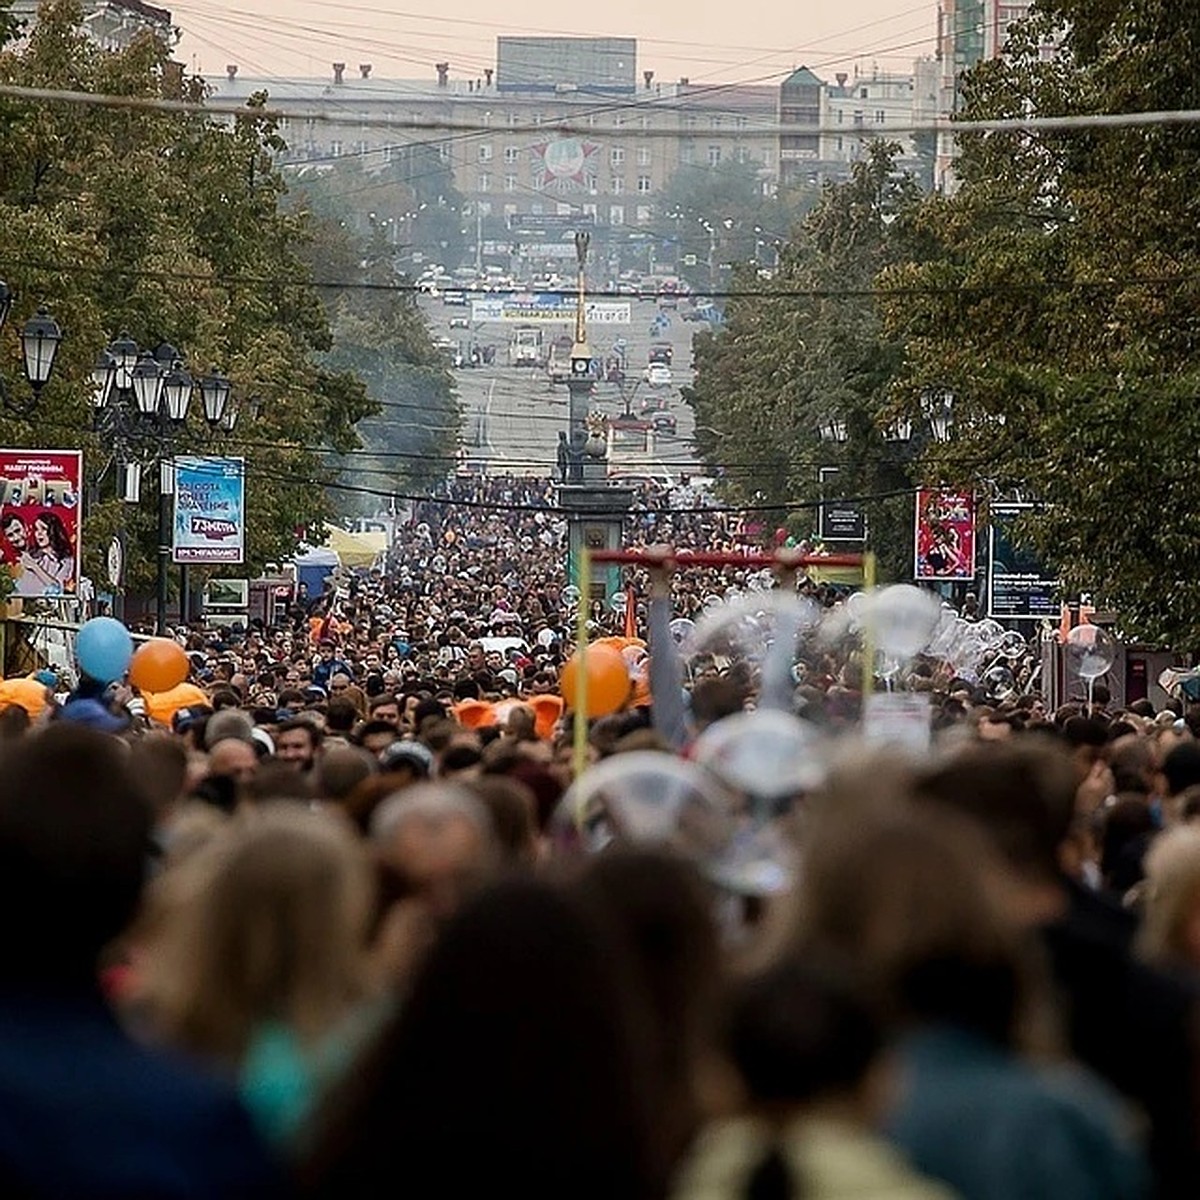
(162,706)
(474,714)
(29,694)
(546,713)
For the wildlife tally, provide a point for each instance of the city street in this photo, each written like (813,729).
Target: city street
(512,416)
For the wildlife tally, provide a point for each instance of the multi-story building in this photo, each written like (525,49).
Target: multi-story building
(970,31)
(112,24)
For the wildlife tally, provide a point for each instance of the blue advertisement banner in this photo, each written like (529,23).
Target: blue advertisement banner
(210,510)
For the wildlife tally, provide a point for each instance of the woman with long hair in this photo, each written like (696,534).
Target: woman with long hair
(257,962)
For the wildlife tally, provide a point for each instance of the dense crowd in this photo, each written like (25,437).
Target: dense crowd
(343,919)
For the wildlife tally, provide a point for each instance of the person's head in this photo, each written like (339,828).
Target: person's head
(160,764)
(1170,933)
(1181,767)
(227,723)
(511,807)
(386,710)
(273,930)
(376,736)
(437,840)
(49,533)
(461,760)
(13,527)
(916,899)
(325,650)
(800,1036)
(74,836)
(486,1054)
(339,684)
(1022,794)
(297,742)
(233,758)
(341,769)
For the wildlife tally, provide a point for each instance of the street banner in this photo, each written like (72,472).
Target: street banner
(550,306)
(945,536)
(1020,588)
(838,520)
(210,510)
(40,520)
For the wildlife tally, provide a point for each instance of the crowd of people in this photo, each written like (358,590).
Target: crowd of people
(325,929)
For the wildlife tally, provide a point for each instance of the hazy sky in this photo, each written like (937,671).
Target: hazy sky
(702,39)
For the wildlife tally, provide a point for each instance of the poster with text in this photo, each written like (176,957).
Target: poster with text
(210,516)
(40,519)
(945,538)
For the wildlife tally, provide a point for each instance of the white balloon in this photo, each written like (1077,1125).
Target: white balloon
(765,753)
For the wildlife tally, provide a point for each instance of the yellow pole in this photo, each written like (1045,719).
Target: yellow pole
(868,641)
(583,582)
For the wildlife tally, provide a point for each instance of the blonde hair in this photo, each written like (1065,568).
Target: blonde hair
(267,922)
(1171,892)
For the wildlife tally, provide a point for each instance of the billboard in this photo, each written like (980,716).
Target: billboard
(550,306)
(210,510)
(40,520)
(945,535)
(1020,588)
(558,65)
(838,520)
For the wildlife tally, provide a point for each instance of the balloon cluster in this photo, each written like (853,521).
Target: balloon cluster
(104,653)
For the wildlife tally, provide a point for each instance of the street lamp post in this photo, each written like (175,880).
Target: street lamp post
(143,398)
(40,339)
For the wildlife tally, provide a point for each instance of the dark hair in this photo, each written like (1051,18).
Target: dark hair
(482,1082)
(314,734)
(74,837)
(340,715)
(660,911)
(460,758)
(429,707)
(60,542)
(1182,767)
(511,806)
(369,728)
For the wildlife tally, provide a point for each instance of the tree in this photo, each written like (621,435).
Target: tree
(805,349)
(168,227)
(1057,296)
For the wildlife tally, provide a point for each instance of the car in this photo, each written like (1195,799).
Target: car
(459,323)
(658,375)
(664,422)
(661,352)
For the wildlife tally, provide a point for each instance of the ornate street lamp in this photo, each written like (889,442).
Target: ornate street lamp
(177,392)
(215,391)
(937,405)
(104,375)
(147,381)
(898,431)
(39,342)
(833,430)
(6,302)
(125,354)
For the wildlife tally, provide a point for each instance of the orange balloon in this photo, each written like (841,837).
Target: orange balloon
(158,665)
(607,680)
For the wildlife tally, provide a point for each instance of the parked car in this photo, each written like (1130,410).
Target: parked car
(459,323)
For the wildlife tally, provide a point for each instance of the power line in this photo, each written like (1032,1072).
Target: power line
(1060,124)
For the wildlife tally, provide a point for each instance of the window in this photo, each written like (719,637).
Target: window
(537,118)
(714,156)
(645,185)
(485,154)
(444,151)
(841,143)
(335,148)
(687,154)
(618,122)
(510,183)
(512,118)
(589,210)
(360,148)
(880,116)
(618,185)
(484,182)
(714,122)
(616,156)
(862,95)
(510,210)
(536,209)
(743,155)
(741,122)
(643,122)
(644,213)
(616,214)
(691,122)
(841,115)
(643,156)
(485,208)
(511,154)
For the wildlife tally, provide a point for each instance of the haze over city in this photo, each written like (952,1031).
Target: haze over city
(751,41)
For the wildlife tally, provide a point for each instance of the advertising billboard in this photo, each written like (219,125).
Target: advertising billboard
(40,520)
(210,510)
(1020,588)
(550,306)
(945,536)
(838,520)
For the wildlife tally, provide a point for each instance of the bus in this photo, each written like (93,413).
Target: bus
(525,349)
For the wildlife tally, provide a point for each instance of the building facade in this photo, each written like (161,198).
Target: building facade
(111,24)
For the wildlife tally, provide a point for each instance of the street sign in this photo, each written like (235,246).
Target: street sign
(838,520)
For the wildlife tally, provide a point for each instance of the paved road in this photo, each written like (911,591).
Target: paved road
(511,416)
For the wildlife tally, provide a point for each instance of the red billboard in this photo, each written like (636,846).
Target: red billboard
(40,504)
(945,539)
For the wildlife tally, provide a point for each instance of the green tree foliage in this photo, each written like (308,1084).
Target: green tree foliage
(168,227)
(1058,295)
(806,349)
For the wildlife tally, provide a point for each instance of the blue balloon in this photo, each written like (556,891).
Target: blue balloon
(103,649)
